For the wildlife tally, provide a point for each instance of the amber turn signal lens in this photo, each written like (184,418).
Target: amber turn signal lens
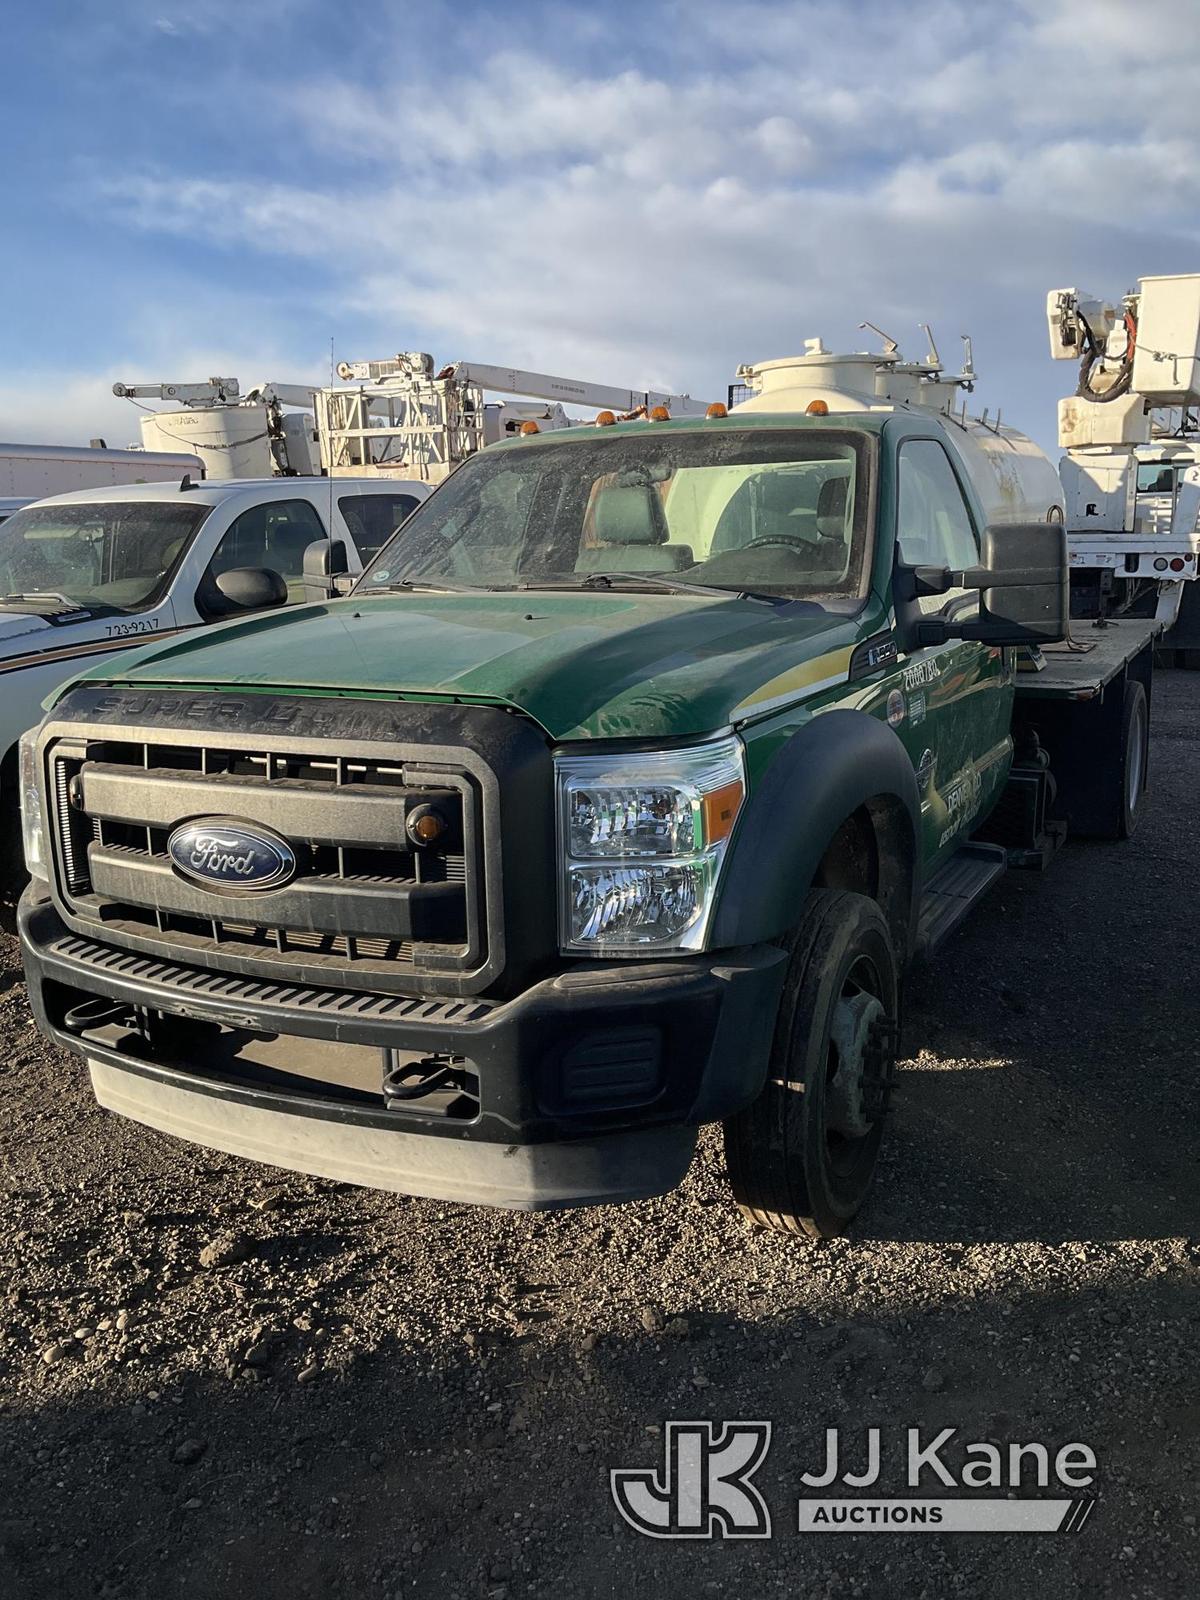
(720,809)
(425,825)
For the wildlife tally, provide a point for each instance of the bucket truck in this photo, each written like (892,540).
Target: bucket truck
(1131,433)
(236,435)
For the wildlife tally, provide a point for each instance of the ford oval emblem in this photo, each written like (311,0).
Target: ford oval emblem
(231,857)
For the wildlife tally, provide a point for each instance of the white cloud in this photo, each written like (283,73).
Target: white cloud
(802,168)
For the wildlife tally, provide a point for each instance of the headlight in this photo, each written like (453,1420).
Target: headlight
(33,832)
(642,838)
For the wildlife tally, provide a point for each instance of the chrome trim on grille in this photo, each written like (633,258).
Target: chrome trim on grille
(365,902)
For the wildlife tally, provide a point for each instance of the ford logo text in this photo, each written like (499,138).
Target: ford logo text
(231,857)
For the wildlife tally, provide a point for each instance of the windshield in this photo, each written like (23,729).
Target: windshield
(755,510)
(105,555)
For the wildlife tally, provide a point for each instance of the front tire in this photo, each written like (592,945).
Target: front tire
(801,1158)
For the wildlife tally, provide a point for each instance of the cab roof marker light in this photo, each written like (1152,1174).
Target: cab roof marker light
(717,409)
(528,428)
(817,408)
(659,414)
(605,419)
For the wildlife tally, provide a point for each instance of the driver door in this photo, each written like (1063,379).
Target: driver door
(952,703)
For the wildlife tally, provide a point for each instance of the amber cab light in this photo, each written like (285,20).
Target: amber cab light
(530,427)
(717,409)
(817,408)
(660,414)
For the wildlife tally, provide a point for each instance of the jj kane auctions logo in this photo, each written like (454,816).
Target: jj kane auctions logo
(704,1488)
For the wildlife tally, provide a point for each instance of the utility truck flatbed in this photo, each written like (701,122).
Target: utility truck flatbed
(1082,667)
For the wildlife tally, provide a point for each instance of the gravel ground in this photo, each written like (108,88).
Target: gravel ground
(217,1378)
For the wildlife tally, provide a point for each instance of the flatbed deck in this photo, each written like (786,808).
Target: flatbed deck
(1080,669)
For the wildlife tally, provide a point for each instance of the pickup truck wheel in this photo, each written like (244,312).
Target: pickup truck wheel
(801,1158)
(1135,755)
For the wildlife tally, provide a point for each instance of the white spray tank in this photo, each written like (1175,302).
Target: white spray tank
(1014,479)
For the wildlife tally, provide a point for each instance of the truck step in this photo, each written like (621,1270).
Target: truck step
(954,889)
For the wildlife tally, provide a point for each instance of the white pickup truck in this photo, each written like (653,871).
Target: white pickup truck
(86,574)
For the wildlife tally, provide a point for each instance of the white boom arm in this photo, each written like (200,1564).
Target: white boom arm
(511,380)
(571,391)
(219,392)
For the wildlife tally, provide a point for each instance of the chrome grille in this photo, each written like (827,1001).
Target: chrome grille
(365,900)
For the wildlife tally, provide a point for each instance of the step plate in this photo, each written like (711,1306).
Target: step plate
(954,889)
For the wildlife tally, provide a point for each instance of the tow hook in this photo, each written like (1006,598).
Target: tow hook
(405,1081)
(100,1013)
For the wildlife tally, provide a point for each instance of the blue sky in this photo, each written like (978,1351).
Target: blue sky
(640,194)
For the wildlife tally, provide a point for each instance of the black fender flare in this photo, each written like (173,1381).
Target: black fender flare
(827,770)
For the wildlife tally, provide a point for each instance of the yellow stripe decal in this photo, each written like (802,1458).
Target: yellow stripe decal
(825,670)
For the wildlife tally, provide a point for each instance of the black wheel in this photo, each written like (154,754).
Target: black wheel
(802,1156)
(1135,756)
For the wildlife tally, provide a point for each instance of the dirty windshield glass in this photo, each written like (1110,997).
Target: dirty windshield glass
(777,511)
(107,554)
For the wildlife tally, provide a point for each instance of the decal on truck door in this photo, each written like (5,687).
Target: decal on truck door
(958,695)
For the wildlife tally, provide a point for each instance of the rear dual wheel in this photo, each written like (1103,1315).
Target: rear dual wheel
(1134,756)
(801,1158)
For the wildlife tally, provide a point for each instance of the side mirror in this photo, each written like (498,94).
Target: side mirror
(1023,583)
(325,561)
(251,589)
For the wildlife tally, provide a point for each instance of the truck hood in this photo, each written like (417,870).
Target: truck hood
(583,665)
(19,625)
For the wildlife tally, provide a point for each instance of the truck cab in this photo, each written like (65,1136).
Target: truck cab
(86,575)
(613,801)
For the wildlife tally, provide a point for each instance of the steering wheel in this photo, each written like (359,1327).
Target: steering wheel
(785,541)
(775,541)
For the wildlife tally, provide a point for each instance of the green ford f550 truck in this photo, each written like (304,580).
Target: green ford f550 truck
(614,800)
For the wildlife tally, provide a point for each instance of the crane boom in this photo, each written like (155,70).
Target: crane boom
(214,391)
(571,391)
(415,367)
(219,392)
(408,417)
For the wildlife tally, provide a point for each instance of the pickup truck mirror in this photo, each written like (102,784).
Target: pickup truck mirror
(250,589)
(1023,588)
(325,562)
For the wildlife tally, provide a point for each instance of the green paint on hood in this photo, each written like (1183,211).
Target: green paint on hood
(583,665)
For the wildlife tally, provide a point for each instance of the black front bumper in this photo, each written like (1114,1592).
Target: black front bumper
(590,1083)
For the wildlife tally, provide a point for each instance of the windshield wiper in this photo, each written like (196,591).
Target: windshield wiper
(655,580)
(44,594)
(427,585)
